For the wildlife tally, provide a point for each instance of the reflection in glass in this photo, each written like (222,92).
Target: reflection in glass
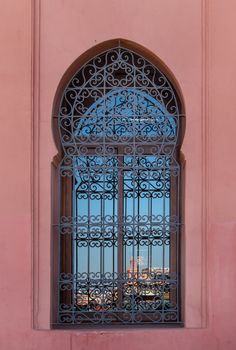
(121,202)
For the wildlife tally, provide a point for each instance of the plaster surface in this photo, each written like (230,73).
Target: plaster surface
(196,40)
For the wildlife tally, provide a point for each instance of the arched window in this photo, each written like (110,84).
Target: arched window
(118,225)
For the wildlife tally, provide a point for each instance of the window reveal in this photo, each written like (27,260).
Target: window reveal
(119,225)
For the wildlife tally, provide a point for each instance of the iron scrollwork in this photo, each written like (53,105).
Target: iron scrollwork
(119,122)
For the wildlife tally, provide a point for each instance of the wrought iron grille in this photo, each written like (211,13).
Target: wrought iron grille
(119,227)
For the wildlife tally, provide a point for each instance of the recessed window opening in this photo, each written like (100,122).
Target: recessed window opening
(119,222)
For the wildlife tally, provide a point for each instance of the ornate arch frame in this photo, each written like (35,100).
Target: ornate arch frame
(137,49)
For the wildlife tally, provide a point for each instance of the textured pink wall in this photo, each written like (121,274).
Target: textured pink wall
(64,33)
(173,30)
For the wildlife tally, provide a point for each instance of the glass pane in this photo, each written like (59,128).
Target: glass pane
(146,238)
(95,238)
(125,113)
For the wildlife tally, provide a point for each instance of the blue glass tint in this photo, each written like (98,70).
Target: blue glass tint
(95,202)
(125,113)
(146,209)
(146,233)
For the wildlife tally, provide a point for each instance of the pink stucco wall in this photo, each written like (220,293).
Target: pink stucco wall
(196,40)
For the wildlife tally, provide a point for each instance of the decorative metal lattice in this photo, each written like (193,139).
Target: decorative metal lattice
(119,225)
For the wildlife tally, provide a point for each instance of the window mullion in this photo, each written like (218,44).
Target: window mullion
(120,222)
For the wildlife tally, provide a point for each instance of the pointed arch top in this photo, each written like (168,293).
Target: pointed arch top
(134,70)
(119,124)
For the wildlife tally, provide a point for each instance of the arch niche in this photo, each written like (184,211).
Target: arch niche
(118,123)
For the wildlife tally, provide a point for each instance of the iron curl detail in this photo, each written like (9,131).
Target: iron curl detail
(119,218)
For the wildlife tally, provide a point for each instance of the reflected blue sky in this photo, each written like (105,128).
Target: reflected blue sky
(124,112)
(145,192)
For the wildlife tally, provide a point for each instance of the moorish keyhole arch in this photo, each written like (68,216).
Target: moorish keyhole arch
(118,123)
